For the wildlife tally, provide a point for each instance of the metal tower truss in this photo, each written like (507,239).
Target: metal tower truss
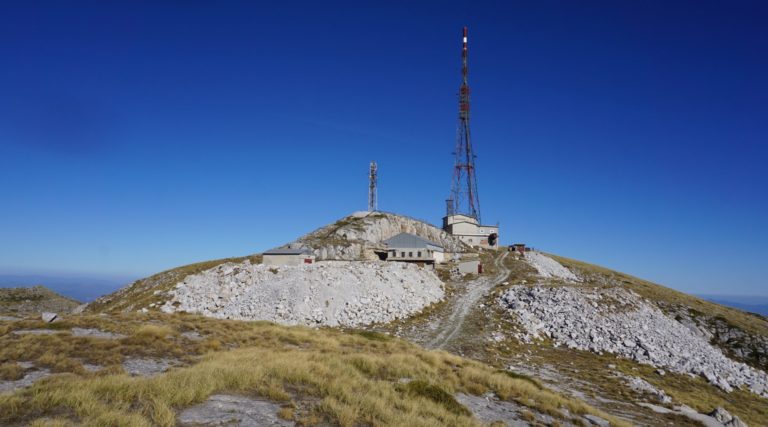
(372,183)
(464,195)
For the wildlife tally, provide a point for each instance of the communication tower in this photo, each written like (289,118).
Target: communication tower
(372,180)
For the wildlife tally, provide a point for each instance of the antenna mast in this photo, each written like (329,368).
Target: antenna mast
(464,196)
(372,181)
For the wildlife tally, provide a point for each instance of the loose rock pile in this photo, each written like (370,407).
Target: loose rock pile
(328,293)
(619,321)
(549,268)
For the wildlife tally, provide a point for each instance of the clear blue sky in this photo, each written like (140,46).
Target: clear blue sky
(138,136)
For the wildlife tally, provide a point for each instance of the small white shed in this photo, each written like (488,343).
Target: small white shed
(288,257)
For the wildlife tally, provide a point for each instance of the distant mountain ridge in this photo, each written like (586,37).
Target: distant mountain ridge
(752,304)
(81,288)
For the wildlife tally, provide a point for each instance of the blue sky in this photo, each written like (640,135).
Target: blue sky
(138,136)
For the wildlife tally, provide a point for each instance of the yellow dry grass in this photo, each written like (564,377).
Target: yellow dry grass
(353,378)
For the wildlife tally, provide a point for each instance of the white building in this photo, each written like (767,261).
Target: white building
(288,257)
(411,248)
(468,230)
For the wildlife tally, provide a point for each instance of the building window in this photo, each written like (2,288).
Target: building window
(418,254)
(410,254)
(402,254)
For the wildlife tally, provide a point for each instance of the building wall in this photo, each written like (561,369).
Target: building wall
(286,259)
(412,254)
(469,267)
(474,235)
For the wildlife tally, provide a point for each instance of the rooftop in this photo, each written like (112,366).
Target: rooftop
(407,240)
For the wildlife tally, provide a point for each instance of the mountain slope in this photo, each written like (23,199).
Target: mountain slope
(629,347)
(33,301)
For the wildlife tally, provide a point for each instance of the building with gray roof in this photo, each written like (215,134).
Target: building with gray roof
(408,247)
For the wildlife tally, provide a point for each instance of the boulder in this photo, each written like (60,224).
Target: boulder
(49,317)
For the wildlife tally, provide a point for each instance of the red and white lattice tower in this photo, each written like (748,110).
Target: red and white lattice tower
(464,198)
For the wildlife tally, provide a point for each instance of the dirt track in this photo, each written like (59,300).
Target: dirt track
(449,327)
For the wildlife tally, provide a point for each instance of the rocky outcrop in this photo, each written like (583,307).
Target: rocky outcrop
(330,293)
(619,321)
(737,344)
(354,237)
(724,417)
(642,386)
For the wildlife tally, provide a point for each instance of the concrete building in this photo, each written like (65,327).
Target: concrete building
(469,231)
(288,257)
(470,267)
(411,248)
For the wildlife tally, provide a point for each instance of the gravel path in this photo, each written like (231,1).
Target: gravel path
(448,327)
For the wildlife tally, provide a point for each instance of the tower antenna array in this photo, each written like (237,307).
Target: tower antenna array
(372,181)
(464,195)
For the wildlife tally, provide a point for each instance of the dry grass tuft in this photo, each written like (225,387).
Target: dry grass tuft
(351,379)
(11,371)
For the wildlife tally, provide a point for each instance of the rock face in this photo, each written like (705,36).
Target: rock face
(328,293)
(619,321)
(355,236)
(724,417)
(739,345)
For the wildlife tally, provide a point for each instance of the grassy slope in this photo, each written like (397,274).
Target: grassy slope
(692,391)
(348,378)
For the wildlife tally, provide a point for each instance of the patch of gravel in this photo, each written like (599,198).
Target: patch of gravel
(37,331)
(642,386)
(329,293)
(95,333)
(548,267)
(488,409)
(92,368)
(28,380)
(618,321)
(192,335)
(223,409)
(146,367)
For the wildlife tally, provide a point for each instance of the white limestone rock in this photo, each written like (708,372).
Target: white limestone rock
(623,323)
(548,267)
(48,317)
(326,293)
